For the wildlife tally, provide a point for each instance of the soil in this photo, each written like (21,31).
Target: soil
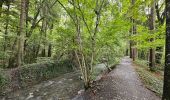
(122,83)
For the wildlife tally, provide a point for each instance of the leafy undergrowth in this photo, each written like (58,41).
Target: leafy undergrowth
(152,80)
(32,74)
(3,80)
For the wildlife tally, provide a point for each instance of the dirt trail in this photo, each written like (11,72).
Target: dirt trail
(121,84)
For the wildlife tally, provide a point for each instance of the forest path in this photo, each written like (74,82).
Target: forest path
(122,83)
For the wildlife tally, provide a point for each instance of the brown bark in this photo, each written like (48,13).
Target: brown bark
(133,49)
(152,28)
(130,45)
(166,91)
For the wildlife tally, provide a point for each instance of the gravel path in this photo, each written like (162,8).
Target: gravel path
(121,84)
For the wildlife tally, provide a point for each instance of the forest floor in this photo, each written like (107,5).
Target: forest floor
(63,87)
(122,83)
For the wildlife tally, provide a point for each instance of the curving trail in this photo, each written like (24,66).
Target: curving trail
(121,84)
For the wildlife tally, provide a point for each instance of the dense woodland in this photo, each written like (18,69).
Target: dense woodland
(85,33)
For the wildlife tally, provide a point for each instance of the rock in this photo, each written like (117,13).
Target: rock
(45,93)
(78,97)
(60,82)
(81,92)
(30,96)
(70,79)
(49,83)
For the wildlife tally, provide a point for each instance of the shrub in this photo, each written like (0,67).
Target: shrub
(34,73)
(31,74)
(3,80)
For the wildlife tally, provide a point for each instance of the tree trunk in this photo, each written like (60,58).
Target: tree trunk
(44,29)
(131,44)
(134,49)
(131,50)
(21,34)
(49,50)
(25,42)
(152,28)
(166,91)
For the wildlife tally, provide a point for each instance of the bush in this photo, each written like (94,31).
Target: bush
(31,74)
(3,80)
(34,73)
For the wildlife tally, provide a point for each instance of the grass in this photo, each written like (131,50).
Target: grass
(152,80)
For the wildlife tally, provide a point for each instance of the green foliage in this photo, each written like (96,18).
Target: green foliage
(150,80)
(144,36)
(55,29)
(34,73)
(3,80)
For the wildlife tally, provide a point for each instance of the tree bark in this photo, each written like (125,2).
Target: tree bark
(131,44)
(21,34)
(152,28)
(166,91)
(134,49)
(49,50)
(44,28)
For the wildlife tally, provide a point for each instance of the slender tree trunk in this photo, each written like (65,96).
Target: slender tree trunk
(131,44)
(134,49)
(49,50)
(44,28)
(80,55)
(166,91)
(152,28)
(21,34)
